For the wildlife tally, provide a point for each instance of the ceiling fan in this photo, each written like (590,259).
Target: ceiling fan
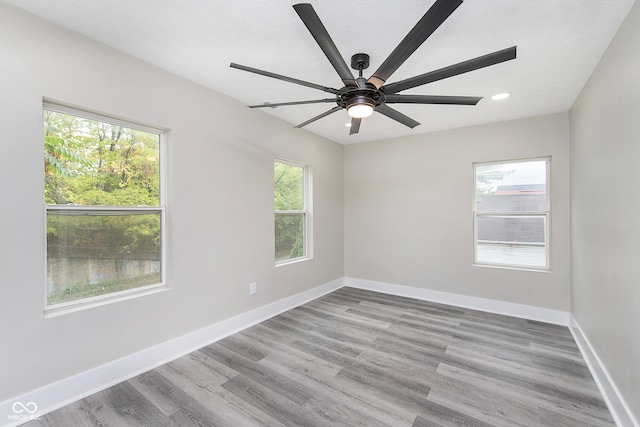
(361,96)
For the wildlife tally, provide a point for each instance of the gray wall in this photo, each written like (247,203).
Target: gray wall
(220,208)
(605,183)
(408,210)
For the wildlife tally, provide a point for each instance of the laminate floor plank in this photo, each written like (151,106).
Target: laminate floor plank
(273,404)
(544,350)
(382,365)
(474,404)
(326,393)
(164,404)
(427,339)
(425,356)
(286,351)
(291,327)
(379,308)
(121,404)
(196,411)
(329,391)
(510,372)
(74,414)
(552,418)
(499,332)
(361,358)
(269,335)
(410,400)
(415,322)
(339,414)
(443,416)
(280,384)
(499,354)
(318,350)
(342,298)
(230,409)
(251,350)
(365,325)
(327,305)
(346,337)
(301,321)
(208,371)
(349,349)
(524,373)
(416,308)
(580,413)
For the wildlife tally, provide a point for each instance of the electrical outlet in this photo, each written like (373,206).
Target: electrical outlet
(252,288)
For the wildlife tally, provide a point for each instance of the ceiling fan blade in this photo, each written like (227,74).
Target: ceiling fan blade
(453,70)
(355,125)
(432,99)
(396,115)
(282,104)
(431,20)
(285,78)
(319,32)
(319,116)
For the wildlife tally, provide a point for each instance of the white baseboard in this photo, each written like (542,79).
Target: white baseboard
(68,390)
(615,402)
(546,315)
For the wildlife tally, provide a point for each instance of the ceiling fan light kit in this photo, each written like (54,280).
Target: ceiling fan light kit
(362,97)
(360,108)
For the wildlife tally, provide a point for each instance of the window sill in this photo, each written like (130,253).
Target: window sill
(515,267)
(292,261)
(74,306)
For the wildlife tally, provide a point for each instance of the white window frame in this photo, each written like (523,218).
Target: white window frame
(83,303)
(306,211)
(546,215)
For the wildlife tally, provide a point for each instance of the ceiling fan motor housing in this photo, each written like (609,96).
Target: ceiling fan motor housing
(366,96)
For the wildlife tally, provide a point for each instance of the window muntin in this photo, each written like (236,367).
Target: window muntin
(511,214)
(290,211)
(104,207)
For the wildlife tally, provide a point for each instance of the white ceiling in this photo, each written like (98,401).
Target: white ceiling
(559,44)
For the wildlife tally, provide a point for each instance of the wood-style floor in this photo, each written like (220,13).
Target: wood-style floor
(360,358)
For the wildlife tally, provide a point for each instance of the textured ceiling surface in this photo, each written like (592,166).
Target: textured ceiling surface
(559,44)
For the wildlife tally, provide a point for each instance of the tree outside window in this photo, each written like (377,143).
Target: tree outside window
(103,204)
(290,214)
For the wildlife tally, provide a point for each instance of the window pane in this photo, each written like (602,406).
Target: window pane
(92,253)
(512,187)
(511,240)
(289,236)
(288,184)
(92,163)
(517,229)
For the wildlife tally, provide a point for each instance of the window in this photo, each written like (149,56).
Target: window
(511,215)
(291,213)
(104,207)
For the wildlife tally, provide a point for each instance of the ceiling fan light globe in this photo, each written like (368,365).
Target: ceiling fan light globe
(360,111)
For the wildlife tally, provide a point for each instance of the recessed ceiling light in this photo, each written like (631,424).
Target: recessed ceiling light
(500,96)
(348,124)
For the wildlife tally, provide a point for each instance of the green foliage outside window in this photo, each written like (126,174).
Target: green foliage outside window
(289,182)
(90,163)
